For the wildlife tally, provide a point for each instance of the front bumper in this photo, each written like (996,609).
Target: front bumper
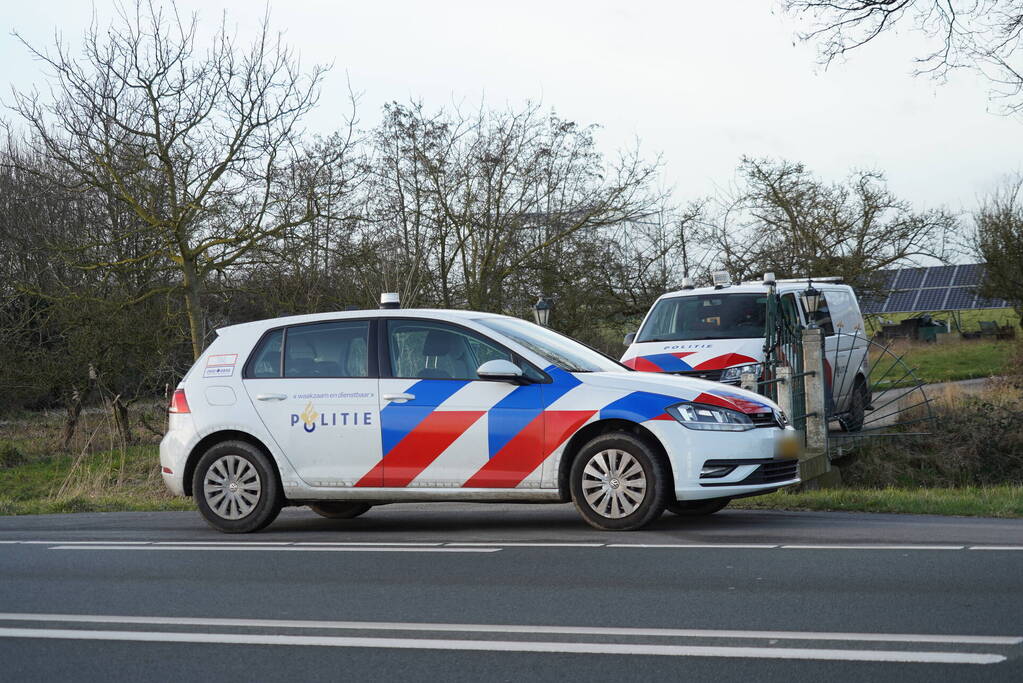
(762,460)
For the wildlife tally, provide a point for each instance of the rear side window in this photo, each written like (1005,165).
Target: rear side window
(266,360)
(332,349)
(845,314)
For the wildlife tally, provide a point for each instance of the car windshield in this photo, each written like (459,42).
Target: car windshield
(706,316)
(564,352)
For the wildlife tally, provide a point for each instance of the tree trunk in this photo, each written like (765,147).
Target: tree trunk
(74,411)
(193,307)
(120,412)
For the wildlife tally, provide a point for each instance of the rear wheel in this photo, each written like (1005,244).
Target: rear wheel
(339,510)
(618,483)
(853,420)
(698,508)
(236,489)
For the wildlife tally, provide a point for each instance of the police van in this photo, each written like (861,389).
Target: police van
(344,411)
(718,333)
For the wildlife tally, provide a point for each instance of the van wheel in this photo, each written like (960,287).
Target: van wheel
(698,508)
(340,510)
(618,483)
(853,420)
(236,489)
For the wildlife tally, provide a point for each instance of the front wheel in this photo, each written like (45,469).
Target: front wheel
(618,482)
(698,508)
(236,488)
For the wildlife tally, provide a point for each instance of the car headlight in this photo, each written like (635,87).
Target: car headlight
(704,417)
(734,374)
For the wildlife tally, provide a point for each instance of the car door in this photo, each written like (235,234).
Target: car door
(315,389)
(444,427)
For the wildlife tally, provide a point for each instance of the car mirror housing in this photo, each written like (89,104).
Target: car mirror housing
(629,338)
(503,370)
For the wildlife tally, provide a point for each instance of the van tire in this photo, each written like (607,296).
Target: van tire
(852,421)
(243,494)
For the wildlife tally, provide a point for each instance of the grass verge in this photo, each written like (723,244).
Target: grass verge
(971,501)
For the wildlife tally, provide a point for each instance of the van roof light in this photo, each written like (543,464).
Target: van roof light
(769,279)
(389,300)
(687,283)
(721,279)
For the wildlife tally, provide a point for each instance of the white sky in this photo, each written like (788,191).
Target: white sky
(703,83)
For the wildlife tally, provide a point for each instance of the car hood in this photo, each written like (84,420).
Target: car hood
(684,388)
(693,355)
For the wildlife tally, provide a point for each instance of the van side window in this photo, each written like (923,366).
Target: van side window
(844,312)
(331,349)
(824,316)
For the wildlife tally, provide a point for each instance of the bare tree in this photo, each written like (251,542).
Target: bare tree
(982,35)
(785,220)
(999,242)
(200,144)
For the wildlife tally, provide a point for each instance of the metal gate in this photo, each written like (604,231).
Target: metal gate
(783,348)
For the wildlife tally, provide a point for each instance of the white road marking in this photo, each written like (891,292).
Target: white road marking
(278,548)
(512,646)
(691,545)
(516,544)
(872,547)
(516,628)
(347,543)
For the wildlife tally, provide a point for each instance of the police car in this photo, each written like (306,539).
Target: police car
(344,411)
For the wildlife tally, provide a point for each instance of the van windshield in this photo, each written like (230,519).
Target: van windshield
(706,316)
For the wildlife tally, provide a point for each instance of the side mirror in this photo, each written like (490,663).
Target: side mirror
(503,370)
(629,338)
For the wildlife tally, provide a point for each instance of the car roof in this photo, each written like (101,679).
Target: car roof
(433,313)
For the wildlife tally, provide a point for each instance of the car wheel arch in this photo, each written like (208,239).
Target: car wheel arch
(594,429)
(220,436)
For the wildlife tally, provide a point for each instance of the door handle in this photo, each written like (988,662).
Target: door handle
(271,397)
(399,398)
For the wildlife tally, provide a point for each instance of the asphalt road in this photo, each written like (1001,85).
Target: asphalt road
(501,592)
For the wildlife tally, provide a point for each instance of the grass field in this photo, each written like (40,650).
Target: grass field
(949,362)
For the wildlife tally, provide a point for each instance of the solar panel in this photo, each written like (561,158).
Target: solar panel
(931,299)
(910,278)
(919,290)
(940,276)
(968,275)
(901,302)
(960,297)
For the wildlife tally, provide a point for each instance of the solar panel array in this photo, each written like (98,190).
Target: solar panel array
(939,288)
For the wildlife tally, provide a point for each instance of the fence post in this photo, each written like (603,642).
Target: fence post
(783,373)
(748,381)
(815,461)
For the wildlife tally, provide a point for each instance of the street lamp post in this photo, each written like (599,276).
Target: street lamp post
(812,298)
(542,311)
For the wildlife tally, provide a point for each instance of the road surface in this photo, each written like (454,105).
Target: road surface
(501,592)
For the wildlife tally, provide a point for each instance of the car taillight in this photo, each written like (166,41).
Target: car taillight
(178,403)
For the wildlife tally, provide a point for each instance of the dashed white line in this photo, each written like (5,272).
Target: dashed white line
(516,544)
(513,646)
(692,545)
(872,547)
(277,548)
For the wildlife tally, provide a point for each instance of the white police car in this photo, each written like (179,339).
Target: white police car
(343,411)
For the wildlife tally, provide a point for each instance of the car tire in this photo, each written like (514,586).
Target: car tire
(853,420)
(619,483)
(340,509)
(698,508)
(236,488)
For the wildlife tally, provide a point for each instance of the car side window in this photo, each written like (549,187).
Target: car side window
(266,359)
(430,350)
(329,349)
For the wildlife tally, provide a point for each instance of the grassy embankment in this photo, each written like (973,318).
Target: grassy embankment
(972,463)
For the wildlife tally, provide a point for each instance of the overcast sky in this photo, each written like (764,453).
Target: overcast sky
(701,83)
